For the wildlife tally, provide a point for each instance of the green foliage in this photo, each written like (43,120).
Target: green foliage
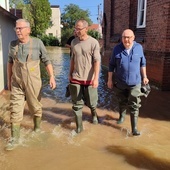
(18,4)
(95,34)
(49,40)
(71,14)
(39,14)
(66,34)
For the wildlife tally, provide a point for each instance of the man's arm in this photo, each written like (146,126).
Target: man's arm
(144,75)
(9,74)
(52,82)
(67,45)
(110,71)
(96,74)
(71,68)
(110,81)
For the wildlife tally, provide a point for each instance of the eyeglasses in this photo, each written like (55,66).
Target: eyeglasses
(79,29)
(127,37)
(19,28)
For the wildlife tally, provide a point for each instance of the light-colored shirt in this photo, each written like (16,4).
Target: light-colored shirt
(84,54)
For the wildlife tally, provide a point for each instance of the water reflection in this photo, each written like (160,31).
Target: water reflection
(61,61)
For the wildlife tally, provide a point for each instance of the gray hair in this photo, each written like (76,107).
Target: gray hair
(85,23)
(23,20)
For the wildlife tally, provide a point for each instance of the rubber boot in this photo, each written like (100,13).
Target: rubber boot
(77,110)
(37,122)
(15,134)
(79,124)
(94,116)
(134,120)
(121,117)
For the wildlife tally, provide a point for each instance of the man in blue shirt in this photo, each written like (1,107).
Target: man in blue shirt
(128,64)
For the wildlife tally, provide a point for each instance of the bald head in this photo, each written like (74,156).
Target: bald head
(128,32)
(128,38)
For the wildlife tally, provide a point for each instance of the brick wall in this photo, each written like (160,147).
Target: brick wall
(155,37)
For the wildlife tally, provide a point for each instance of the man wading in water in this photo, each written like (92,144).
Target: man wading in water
(24,78)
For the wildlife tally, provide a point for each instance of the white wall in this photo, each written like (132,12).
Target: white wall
(1,64)
(4,4)
(56,21)
(7,34)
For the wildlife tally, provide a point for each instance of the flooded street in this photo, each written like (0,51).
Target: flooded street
(106,146)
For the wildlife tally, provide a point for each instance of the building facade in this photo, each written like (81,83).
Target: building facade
(150,21)
(96,27)
(7,34)
(55,29)
(5,4)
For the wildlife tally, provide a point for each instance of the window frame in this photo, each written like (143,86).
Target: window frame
(141,14)
(50,34)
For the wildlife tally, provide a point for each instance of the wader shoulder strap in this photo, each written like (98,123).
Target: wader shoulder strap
(30,51)
(16,50)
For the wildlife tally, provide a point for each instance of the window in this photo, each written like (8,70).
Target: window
(141,14)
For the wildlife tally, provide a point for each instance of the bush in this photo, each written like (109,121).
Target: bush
(65,35)
(94,34)
(50,40)
(69,32)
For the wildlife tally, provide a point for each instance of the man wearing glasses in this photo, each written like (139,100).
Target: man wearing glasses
(128,64)
(24,79)
(84,73)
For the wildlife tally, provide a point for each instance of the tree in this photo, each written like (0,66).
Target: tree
(39,14)
(71,14)
(95,34)
(18,4)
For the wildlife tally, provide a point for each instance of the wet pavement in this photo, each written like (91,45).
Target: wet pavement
(104,146)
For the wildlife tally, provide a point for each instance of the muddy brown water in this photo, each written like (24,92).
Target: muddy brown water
(106,146)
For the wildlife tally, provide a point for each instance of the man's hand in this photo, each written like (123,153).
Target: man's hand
(110,84)
(145,80)
(52,82)
(95,83)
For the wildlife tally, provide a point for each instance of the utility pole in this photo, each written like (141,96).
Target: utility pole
(99,18)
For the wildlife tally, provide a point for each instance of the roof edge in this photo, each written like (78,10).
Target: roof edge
(7,13)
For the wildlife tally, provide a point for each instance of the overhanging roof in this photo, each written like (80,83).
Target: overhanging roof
(7,13)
